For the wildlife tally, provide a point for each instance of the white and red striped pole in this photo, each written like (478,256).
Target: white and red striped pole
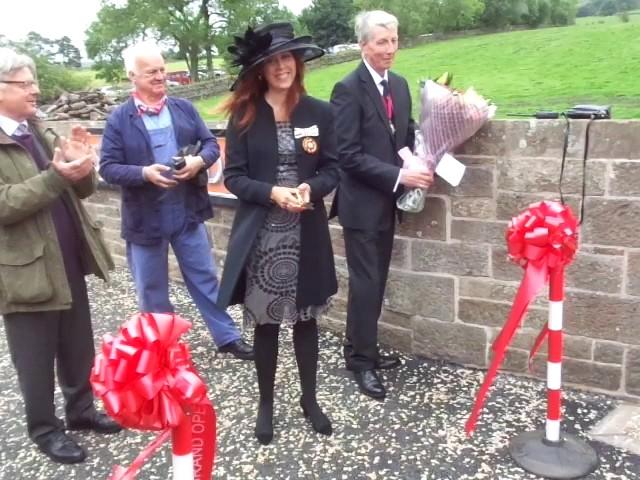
(552,453)
(181,446)
(554,358)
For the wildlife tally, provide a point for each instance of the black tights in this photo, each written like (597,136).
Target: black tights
(305,343)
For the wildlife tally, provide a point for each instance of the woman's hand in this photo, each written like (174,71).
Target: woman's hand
(287,198)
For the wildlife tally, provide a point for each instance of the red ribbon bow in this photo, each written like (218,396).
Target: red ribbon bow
(541,239)
(147,381)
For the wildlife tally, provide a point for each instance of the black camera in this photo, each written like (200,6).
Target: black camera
(597,112)
(201,179)
(179,162)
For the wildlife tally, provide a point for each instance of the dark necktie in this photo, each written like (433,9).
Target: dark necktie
(386,98)
(23,136)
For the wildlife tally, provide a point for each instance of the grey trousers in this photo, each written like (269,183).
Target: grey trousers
(40,341)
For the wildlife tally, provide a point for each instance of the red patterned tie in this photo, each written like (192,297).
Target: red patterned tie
(386,98)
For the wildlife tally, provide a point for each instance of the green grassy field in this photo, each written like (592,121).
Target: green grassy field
(524,71)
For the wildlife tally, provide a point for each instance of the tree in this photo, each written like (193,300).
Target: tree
(330,21)
(193,26)
(414,16)
(52,79)
(69,53)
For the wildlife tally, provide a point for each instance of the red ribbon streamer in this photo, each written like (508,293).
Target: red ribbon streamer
(542,238)
(147,381)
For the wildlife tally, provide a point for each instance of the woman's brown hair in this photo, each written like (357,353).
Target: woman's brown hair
(241,106)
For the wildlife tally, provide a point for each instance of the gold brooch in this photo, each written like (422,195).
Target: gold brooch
(309,145)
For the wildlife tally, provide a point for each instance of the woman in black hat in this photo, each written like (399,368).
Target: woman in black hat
(280,163)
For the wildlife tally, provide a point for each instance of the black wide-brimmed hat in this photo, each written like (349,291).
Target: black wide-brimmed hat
(259,44)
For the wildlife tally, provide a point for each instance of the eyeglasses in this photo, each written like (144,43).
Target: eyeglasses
(24,84)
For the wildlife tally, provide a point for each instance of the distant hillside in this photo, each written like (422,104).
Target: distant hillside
(595,61)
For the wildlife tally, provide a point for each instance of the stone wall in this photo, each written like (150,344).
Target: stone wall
(451,285)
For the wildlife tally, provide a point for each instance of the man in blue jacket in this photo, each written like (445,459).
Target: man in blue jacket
(163,205)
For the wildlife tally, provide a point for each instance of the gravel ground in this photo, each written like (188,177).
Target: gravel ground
(417,433)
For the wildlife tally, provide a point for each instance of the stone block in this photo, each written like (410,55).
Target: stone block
(477,160)
(490,140)
(105,195)
(223,216)
(338,309)
(573,346)
(395,337)
(111,235)
(430,224)
(515,361)
(117,247)
(585,373)
(502,268)
(608,352)
(632,371)
(527,138)
(337,240)
(112,223)
(455,342)
(510,204)
(220,236)
(526,175)
(612,222)
(614,139)
(452,258)
(596,272)
(107,210)
(332,324)
(420,294)
(342,275)
(401,253)
(494,314)
(598,250)
(625,179)
(477,181)
(633,273)
(489,289)
(603,317)
(478,231)
(482,208)
(394,318)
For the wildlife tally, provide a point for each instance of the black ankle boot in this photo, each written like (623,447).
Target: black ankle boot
(264,423)
(319,421)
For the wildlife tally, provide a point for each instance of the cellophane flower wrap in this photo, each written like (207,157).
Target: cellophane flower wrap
(448,118)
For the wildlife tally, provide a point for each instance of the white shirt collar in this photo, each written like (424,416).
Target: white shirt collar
(9,125)
(375,75)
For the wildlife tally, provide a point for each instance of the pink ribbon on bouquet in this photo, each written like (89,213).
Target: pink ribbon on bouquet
(542,238)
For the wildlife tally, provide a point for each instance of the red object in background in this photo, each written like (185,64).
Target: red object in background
(182,77)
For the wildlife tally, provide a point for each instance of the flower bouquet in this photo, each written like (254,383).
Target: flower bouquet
(448,118)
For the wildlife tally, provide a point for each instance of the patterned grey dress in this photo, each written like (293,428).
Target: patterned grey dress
(272,267)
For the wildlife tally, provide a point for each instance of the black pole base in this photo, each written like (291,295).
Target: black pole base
(569,458)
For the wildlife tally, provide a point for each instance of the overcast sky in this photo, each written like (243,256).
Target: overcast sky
(55,19)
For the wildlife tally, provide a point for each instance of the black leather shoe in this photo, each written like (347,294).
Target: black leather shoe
(99,423)
(370,384)
(61,448)
(239,349)
(387,362)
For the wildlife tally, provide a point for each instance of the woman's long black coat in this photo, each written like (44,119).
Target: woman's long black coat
(250,173)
